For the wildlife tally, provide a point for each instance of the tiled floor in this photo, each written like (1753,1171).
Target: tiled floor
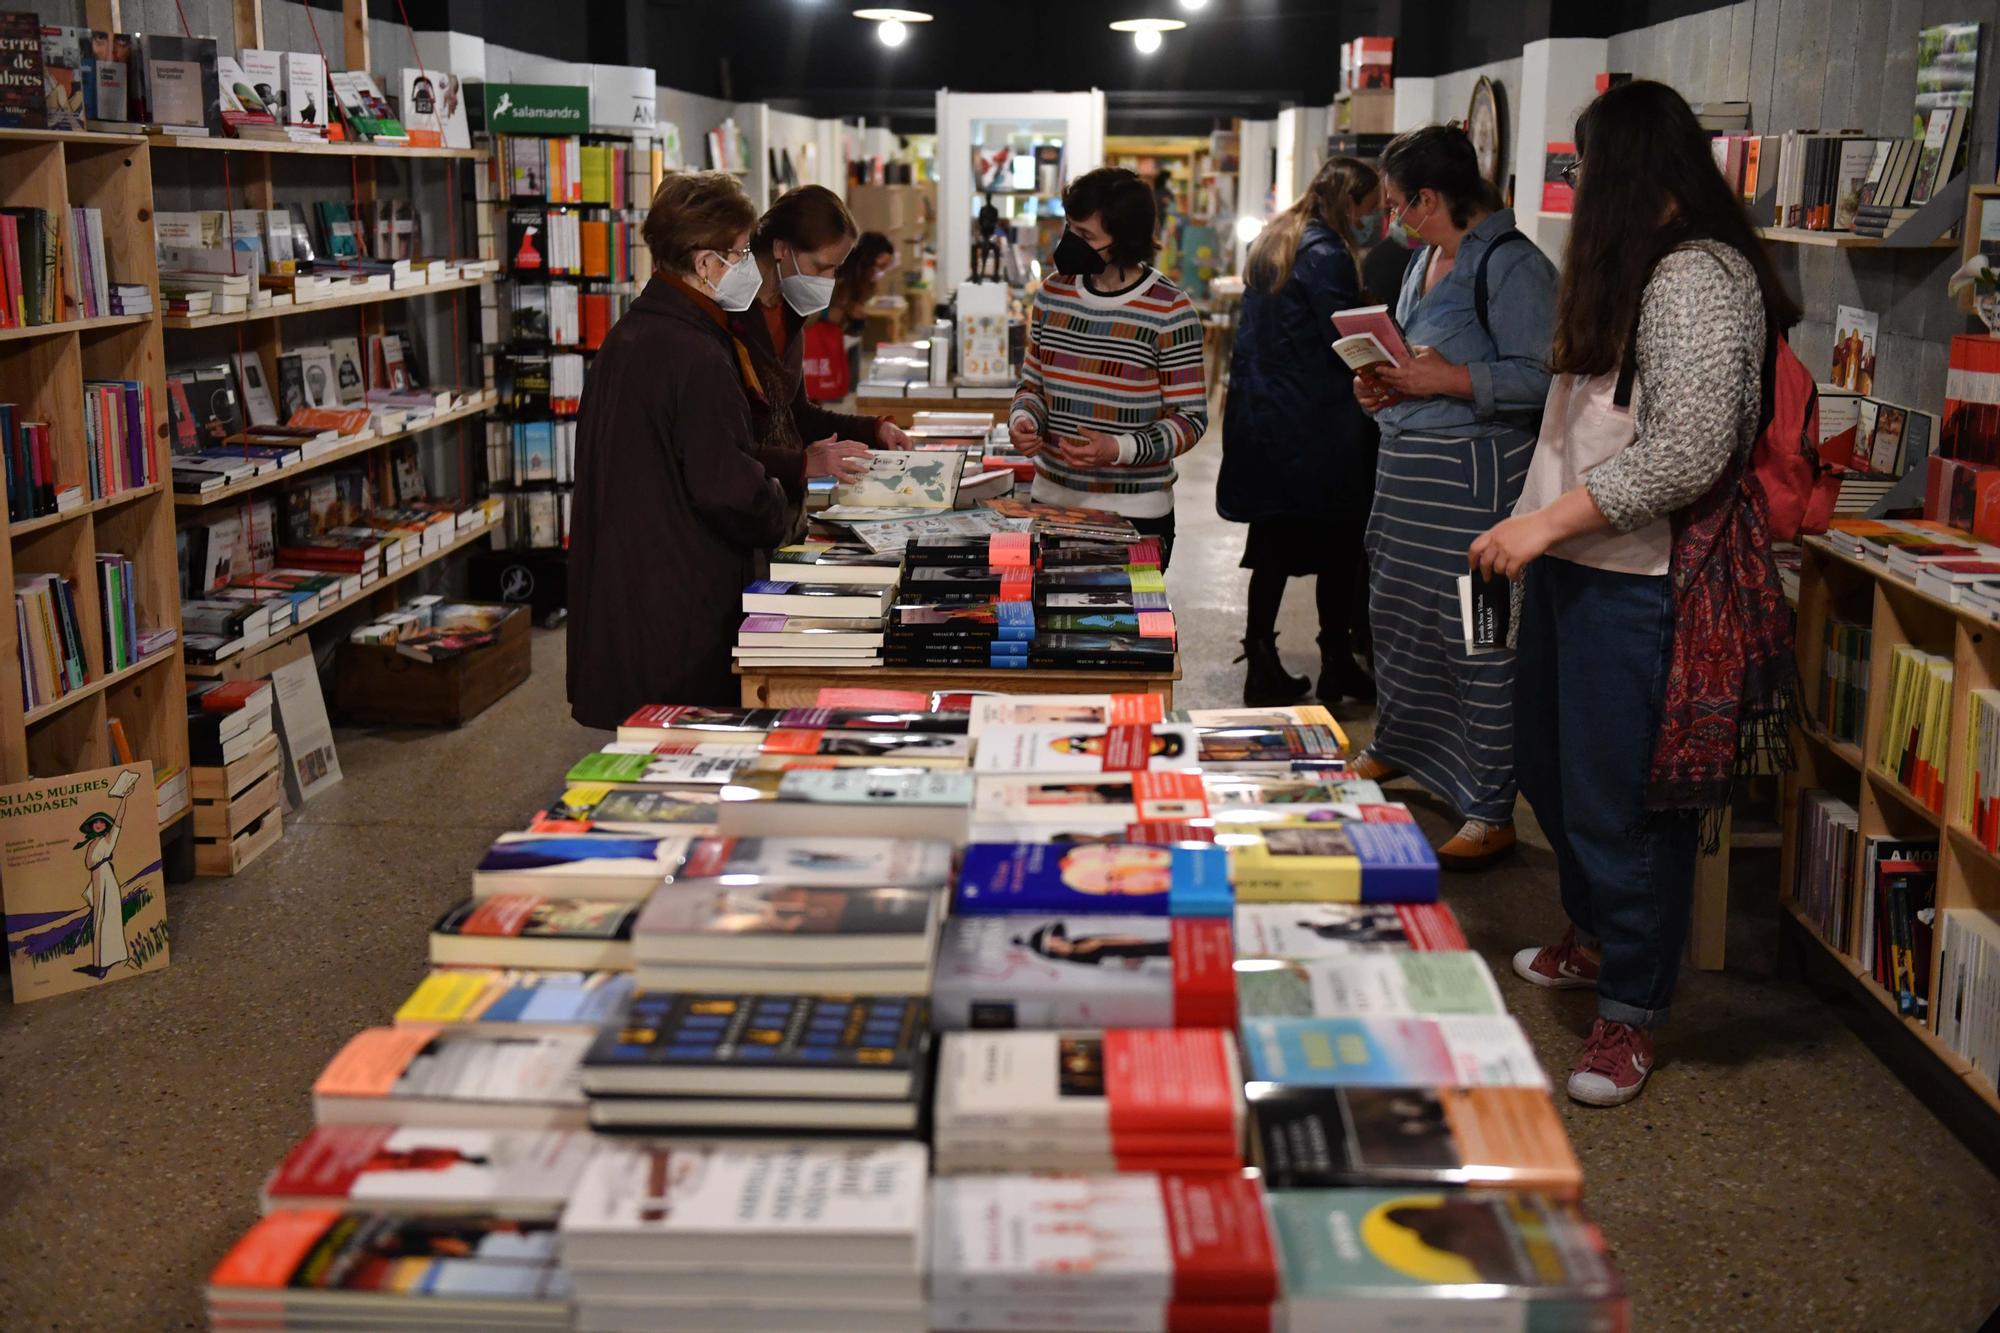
(1774,1176)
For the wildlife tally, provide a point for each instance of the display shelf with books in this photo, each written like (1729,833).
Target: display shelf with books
(1914,782)
(90,532)
(1848,240)
(391,151)
(328,303)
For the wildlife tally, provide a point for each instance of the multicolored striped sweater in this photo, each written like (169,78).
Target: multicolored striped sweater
(1128,365)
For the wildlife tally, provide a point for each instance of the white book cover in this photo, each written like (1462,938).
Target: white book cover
(383,1168)
(904,479)
(433,109)
(820,862)
(1086,749)
(305,90)
(863,786)
(1368,985)
(1093,1087)
(541,1068)
(1054,971)
(264,71)
(322,387)
(1057,710)
(1318,930)
(1491,1051)
(257,404)
(794,1191)
(347,374)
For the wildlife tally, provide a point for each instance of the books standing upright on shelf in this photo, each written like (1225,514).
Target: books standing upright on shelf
(80,877)
(306,105)
(23,98)
(66,73)
(183,93)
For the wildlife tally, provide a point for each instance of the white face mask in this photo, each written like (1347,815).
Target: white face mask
(739,284)
(806,295)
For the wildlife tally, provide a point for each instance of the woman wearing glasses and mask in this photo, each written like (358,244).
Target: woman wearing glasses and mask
(1458,428)
(674,505)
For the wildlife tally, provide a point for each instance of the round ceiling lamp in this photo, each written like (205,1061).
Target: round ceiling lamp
(892,26)
(1146,32)
(1192,5)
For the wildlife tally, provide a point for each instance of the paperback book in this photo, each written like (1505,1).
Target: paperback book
(1316,930)
(1458,1050)
(529,930)
(1041,971)
(1395,984)
(1185,880)
(432,1171)
(494,1002)
(425,1075)
(625,867)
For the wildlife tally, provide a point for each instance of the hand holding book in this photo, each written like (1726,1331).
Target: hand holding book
(843,460)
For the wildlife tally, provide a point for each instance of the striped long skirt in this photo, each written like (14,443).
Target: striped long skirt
(1445,717)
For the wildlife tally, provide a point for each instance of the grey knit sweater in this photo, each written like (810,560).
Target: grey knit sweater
(1701,360)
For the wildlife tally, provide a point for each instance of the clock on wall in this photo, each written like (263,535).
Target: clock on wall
(1485,124)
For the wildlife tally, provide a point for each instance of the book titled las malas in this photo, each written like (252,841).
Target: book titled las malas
(1131,1251)
(818,862)
(775,938)
(492,1002)
(847,802)
(1086,749)
(1187,879)
(1367,985)
(1320,930)
(1464,1050)
(384,1169)
(81,879)
(394,1271)
(594,865)
(1381,857)
(530,930)
(1507,1138)
(754,1208)
(1040,971)
(424,1075)
(1485,611)
(1386,1258)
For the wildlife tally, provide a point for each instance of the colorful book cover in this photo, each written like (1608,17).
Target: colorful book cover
(1391,1257)
(431,1063)
(1318,930)
(1086,749)
(600,807)
(1270,747)
(580,1000)
(23,99)
(1062,710)
(1095,1087)
(527,916)
(1458,1050)
(1366,860)
(800,1032)
(1367,985)
(81,879)
(1513,1138)
(1042,971)
(656,769)
(857,786)
(818,862)
(698,917)
(1126,878)
(522,858)
(474,1267)
(383,1168)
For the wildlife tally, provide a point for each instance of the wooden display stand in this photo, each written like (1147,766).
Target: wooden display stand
(1968,875)
(236,809)
(964,398)
(373,682)
(42,371)
(799,687)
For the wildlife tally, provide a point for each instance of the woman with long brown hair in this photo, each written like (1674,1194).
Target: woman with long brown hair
(1298,454)
(1655,657)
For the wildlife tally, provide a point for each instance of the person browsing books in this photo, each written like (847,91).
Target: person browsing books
(799,245)
(1457,430)
(673,499)
(854,286)
(1298,453)
(1111,389)
(1655,657)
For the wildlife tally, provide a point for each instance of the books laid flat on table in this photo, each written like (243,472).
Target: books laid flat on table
(818,862)
(851,802)
(1435,1258)
(1276,750)
(734,1061)
(850,601)
(422,1075)
(595,865)
(655,724)
(385,1169)
(1191,879)
(859,749)
(1378,985)
(321,1268)
(599,807)
(1137,1251)
(1057,710)
(529,930)
(1224,789)
(779,1236)
(1317,930)
(1085,749)
(1465,1050)
(776,937)
(1086,971)
(821,563)
(1375,859)
(1492,1138)
(494,1002)
(1090,1100)
(624,769)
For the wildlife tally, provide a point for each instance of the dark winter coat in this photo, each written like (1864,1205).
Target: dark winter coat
(1295,444)
(673,511)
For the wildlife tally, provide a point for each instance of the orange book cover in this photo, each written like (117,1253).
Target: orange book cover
(271,1251)
(596,249)
(372,1061)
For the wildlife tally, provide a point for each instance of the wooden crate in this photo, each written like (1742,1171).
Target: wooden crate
(226,856)
(237,812)
(375,683)
(213,784)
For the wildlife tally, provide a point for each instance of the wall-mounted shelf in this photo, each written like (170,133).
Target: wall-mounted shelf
(330,303)
(482,402)
(1846,240)
(168,141)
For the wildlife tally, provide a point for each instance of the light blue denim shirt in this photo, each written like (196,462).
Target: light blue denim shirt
(1510,373)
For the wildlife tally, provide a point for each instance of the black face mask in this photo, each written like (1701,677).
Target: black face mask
(1074,256)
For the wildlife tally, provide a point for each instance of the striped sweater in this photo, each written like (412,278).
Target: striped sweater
(1128,365)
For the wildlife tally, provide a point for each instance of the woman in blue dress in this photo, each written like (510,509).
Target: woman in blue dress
(1458,427)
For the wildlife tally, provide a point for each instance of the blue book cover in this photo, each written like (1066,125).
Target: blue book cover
(769,585)
(1346,1052)
(1187,879)
(680,1028)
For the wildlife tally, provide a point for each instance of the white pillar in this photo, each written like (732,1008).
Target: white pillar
(1416,103)
(1558,79)
(1253,181)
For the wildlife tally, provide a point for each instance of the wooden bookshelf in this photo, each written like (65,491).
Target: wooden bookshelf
(1832,583)
(180,322)
(43,370)
(1846,240)
(179,142)
(481,403)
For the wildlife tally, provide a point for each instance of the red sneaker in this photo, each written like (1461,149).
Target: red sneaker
(1564,966)
(1613,1067)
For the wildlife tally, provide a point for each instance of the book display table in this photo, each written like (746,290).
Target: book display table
(799,687)
(966,398)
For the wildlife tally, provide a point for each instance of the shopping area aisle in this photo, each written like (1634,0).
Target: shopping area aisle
(1774,1176)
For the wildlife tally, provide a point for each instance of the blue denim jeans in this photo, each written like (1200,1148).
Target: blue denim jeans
(1590,678)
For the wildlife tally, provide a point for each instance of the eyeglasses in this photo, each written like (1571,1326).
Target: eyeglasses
(1570,173)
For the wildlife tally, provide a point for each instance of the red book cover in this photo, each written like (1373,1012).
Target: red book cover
(849,696)
(1204,972)
(1221,1243)
(1168,794)
(1170,1080)
(1010,550)
(10,269)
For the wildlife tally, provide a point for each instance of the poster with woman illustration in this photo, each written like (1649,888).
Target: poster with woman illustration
(80,878)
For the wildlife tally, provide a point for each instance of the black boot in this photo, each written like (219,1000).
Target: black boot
(1340,676)
(1267,682)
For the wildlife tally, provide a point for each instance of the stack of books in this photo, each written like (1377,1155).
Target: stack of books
(787,623)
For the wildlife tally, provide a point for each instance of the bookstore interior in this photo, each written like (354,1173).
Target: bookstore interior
(891,879)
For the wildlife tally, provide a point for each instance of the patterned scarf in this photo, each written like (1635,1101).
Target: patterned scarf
(1732,683)
(720,318)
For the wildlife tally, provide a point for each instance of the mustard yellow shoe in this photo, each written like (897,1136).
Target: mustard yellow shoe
(1370,769)
(1476,846)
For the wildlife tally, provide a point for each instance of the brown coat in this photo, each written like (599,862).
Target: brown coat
(672,513)
(784,435)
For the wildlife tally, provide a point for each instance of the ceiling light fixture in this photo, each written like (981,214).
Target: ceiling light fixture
(892,32)
(1192,5)
(892,26)
(1146,32)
